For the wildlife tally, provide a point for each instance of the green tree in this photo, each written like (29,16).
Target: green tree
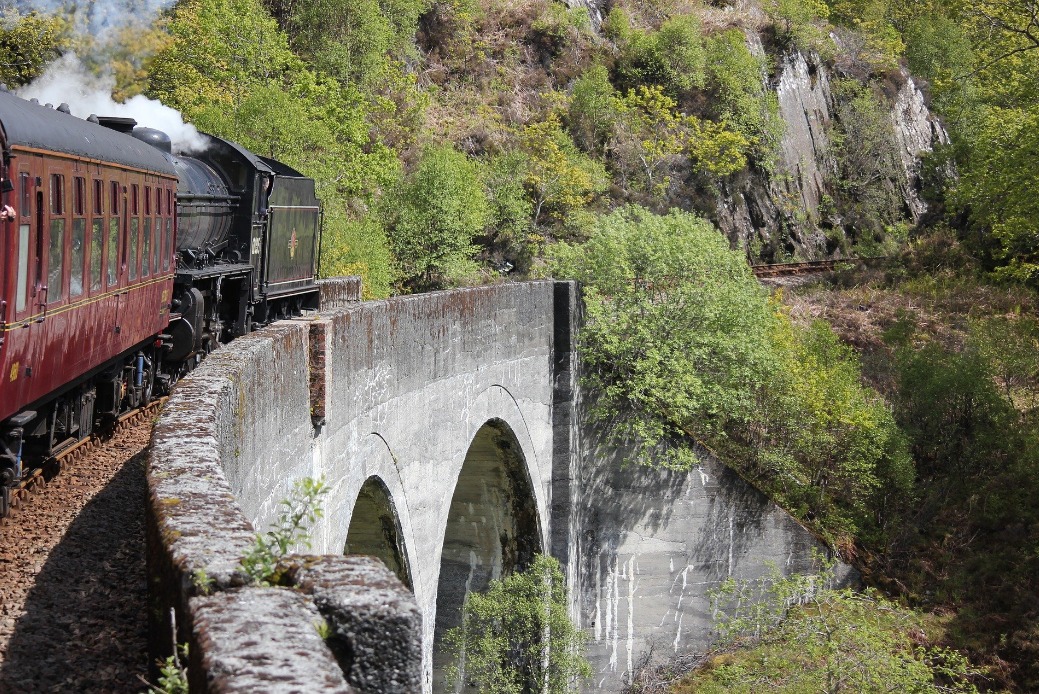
(28,43)
(592,110)
(671,57)
(823,442)
(559,177)
(869,168)
(228,68)
(683,345)
(434,216)
(678,333)
(739,99)
(354,40)
(357,247)
(795,18)
(998,186)
(517,637)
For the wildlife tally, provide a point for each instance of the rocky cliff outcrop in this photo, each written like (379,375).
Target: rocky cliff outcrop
(789,210)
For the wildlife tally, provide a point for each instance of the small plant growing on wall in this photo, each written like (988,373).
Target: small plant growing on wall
(291,530)
(517,637)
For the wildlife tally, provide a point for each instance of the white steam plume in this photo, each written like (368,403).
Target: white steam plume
(66,80)
(98,18)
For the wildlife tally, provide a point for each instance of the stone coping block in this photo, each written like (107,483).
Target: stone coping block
(373,613)
(261,640)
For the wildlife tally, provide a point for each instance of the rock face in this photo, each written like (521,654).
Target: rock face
(784,212)
(917,131)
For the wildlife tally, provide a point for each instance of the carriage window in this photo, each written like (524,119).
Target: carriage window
(134,232)
(56,261)
(79,196)
(168,245)
(147,200)
(158,201)
(169,202)
(57,194)
(146,248)
(26,195)
(99,197)
(97,247)
(113,252)
(157,245)
(113,203)
(23,266)
(135,203)
(79,232)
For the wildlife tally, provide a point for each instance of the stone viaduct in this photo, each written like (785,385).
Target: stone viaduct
(449,428)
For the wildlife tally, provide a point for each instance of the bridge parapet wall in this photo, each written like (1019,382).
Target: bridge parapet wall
(241,404)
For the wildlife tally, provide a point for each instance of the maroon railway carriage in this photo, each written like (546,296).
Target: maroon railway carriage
(86,276)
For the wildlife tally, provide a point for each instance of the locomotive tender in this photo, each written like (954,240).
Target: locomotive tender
(124,264)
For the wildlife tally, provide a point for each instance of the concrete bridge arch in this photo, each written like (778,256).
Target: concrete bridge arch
(388,406)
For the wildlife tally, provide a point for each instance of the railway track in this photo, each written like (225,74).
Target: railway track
(37,477)
(810,267)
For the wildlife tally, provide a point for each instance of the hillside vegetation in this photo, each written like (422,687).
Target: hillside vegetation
(458,142)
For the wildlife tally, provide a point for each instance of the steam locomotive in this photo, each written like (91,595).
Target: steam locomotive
(121,265)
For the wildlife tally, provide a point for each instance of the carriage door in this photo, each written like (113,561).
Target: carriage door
(29,297)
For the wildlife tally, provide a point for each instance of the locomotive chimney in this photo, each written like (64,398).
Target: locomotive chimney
(120,125)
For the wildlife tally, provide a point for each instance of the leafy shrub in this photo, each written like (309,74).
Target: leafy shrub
(794,19)
(678,331)
(801,636)
(824,442)
(592,110)
(357,247)
(559,178)
(291,530)
(517,637)
(868,164)
(682,344)
(434,216)
(511,219)
(671,57)
(736,84)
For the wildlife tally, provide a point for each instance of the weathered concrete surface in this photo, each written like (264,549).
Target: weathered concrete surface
(410,381)
(402,388)
(653,542)
(337,292)
(373,615)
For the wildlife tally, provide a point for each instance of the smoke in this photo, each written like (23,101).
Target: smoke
(100,19)
(66,80)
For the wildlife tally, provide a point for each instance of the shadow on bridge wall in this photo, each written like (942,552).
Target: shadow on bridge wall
(654,541)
